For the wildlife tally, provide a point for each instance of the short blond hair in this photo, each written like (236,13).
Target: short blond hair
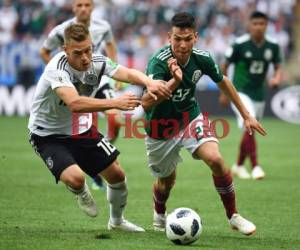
(77,32)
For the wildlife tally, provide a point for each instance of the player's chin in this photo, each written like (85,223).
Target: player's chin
(85,67)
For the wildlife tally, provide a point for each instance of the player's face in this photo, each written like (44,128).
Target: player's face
(79,54)
(258,27)
(83,10)
(182,41)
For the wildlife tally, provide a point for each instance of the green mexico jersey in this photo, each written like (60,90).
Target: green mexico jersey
(251,64)
(183,102)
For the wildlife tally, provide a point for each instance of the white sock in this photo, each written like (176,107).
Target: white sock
(117,197)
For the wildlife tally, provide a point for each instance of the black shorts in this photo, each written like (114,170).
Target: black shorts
(90,151)
(105,92)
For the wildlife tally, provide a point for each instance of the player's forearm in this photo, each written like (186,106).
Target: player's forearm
(111,51)
(137,77)
(224,68)
(148,101)
(45,55)
(278,73)
(87,104)
(229,90)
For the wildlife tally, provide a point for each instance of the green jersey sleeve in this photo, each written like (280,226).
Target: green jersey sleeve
(157,70)
(212,70)
(231,54)
(277,59)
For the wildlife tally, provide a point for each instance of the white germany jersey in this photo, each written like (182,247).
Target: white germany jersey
(100,31)
(49,115)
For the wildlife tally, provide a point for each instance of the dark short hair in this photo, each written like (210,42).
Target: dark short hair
(183,20)
(77,32)
(259,14)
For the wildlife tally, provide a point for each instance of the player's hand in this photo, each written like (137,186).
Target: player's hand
(274,83)
(175,70)
(252,124)
(158,87)
(223,100)
(127,101)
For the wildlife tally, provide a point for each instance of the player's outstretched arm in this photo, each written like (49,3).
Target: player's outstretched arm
(250,122)
(80,104)
(155,88)
(223,99)
(148,102)
(276,80)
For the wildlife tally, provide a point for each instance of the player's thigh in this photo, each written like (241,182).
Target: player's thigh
(54,152)
(249,105)
(163,156)
(196,134)
(94,154)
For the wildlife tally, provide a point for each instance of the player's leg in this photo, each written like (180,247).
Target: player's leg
(163,157)
(257,171)
(117,197)
(74,179)
(246,143)
(113,123)
(209,153)
(63,166)
(161,191)
(98,157)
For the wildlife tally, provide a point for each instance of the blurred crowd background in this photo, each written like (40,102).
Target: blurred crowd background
(139,28)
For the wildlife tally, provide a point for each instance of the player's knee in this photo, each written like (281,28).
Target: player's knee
(75,181)
(214,160)
(117,176)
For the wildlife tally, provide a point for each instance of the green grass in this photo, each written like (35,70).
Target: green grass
(35,213)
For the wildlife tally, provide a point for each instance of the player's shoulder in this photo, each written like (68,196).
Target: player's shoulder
(60,28)
(99,23)
(96,58)
(242,39)
(163,54)
(199,53)
(58,62)
(271,40)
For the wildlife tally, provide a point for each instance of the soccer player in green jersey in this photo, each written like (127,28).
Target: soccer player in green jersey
(177,122)
(251,55)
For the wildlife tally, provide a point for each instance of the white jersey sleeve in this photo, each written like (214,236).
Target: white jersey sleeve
(55,39)
(58,78)
(104,65)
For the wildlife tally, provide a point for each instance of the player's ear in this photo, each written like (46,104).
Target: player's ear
(169,36)
(196,36)
(65,48)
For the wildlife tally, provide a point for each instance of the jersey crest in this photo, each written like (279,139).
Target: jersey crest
(91,79)
(196,76)
(268,54)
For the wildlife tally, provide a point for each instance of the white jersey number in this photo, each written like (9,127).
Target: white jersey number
(106,146)
(180,95)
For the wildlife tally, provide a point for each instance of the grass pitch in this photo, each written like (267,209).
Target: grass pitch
(35,213)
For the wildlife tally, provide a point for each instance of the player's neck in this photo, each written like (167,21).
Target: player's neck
(258,40)
(85,23)
(184,62)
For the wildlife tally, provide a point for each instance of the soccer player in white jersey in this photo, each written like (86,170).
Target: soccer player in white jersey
(101,33)
(61,128)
